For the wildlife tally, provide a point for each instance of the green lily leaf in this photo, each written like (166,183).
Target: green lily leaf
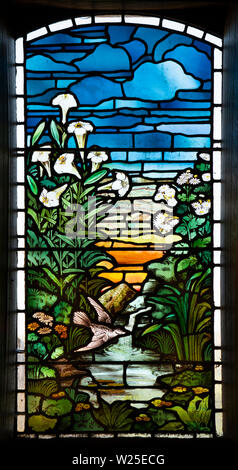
(151,329)
(32,184)
(95,177)
(38,132)
(54,132)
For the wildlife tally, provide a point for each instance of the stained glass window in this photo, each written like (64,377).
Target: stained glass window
(118,229)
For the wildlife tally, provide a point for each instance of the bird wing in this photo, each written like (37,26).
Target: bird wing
(102,314)
(81,318)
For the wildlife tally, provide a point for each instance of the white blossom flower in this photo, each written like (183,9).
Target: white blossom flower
(80,129)
(43,318)
(206,177)
(188,178)
(97,157)
(164,223)
(43,156)
(64,164)
(167,193)
(202,207)
(65,101)
(205,156)
(51,198)
(120,184)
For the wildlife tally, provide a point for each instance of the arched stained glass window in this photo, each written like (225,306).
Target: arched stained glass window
(118,229)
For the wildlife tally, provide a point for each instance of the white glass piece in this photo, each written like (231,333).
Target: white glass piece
(19,80)
(21,377)
(217,355)
(218,396)
(20,109)
(217,123)
(21,402)
(83,20)
(20,197)
(20,243)
(20,170)
(60,25)
(20,135)
(217,235)
(195,32)
(217,286)
(217,92)
(151,20)
(19,51)
(20,223)
(21,331)
(21,423)
(217,145)
(217,201)
(219,424)
(108,19)
(218,373)
(217,257)
(21,357)
(217,165)
(217,58)
(20,259)
(213,39)
(21,290)
(217,328)
(36,34)
(203,435)
(170,435)
(169,24)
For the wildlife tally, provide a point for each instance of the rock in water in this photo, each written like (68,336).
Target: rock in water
(115,299)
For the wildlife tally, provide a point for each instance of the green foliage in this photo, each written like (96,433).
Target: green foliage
(39,300)
(40,423)
(75,395)
(57,407)
(161,416)
(115,416)
(32,184)
(197,416)
(78,337)
(84,421)
(40,372)
(43,387)
(38,133)
(188,378)
(62,312)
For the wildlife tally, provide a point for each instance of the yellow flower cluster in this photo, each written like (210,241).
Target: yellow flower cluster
(179,389)
(62,331)
(58,395)
(82,406)
(142,417)
(159,403)
(33,326)
(199,390)
(199,368)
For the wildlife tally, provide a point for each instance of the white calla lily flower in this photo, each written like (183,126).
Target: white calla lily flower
(65,101)
(51,198)
(121,184)
(80,129)
(43,156)
(97,157)
(64,165)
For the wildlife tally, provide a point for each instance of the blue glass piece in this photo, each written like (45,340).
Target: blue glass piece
(94,40)
(152,140)
(44,98)
(57,38)
(88,29)
(120,33)
(80,48)
(202,46)
(105,58)
(182,141)
(156,175)
(186,104)
(118,156)
(36,75)
(188,129)
(184,113)
(66,56)
(144,156)
(169,43)
(37,87)
(134,112)
(92,90)
(108,104)
(65,83)
(150,36)
(170,156)
(42,63)
(32,122)
(194,95)
(159,119)
(207,85)
(194,61)
(40,107)
(106,140)
(124,103)
(167,166)
(138,128)
(116,121)
(118,75)
(159,81)
(123,166)
(135,49)
(49,48)
(71,143)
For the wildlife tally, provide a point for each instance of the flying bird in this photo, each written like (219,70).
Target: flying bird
(101,332)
